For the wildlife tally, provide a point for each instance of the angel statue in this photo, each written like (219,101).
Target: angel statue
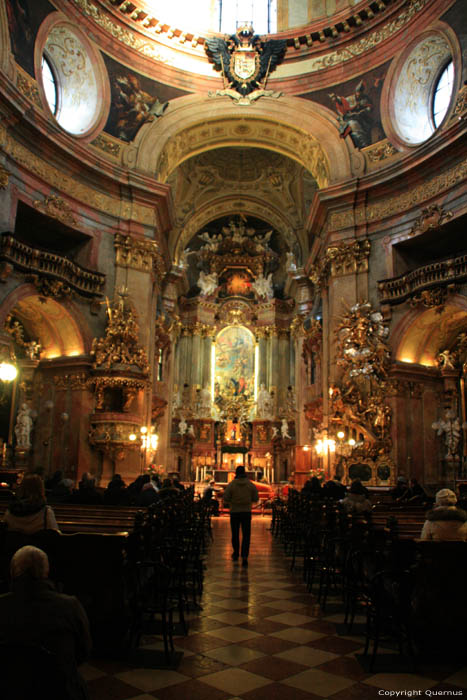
(451,428)
(285,430)
(263,286)
(207,282)
(245,62)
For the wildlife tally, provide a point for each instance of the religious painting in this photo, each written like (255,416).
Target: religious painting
(236,282)
(235,362)
(135,100)
(24,19)
(356,103)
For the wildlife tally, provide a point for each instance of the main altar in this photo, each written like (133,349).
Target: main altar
(234,398)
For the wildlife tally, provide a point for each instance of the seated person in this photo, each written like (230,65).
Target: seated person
(209,496)
(334,489)
(87,492)
(445,521)
(168,490)
(356,501)
(415,493)
(62,492)
(34,614)
(313,488)
(116,493)
(399,492)
(29,512)
(148,495)
(177,483)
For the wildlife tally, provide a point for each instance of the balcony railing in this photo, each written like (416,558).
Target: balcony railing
(397,289)
(51,266)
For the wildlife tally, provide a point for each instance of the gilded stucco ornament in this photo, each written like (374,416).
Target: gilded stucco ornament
(120,345)
(4,178)
(138,253)
(344,259)
(432,217)
(363,356)
(380,151)
(56,208)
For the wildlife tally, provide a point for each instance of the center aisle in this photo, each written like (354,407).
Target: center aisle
(260,637)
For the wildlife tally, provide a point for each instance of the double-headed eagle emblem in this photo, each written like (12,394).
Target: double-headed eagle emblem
(245,62)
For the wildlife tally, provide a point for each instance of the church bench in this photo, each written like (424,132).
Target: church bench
(90,518)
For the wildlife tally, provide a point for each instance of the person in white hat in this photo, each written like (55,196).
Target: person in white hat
(445,521)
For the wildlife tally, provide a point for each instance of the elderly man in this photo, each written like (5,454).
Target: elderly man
(34,614)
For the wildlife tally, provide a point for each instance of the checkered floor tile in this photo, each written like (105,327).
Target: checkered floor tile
(260,635)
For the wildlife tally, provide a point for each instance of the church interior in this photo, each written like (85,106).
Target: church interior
(232,236)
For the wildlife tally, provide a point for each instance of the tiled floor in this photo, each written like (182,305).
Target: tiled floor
(261,636)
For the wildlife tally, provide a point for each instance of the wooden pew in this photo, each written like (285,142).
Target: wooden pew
(90,518)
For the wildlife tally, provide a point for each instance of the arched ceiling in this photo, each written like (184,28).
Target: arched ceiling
(49,323)
(430,333)
(252,181)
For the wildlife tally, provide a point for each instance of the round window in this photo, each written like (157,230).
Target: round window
(420,90)
(71,77)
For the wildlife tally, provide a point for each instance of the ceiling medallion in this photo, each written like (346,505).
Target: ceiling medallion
(245,62)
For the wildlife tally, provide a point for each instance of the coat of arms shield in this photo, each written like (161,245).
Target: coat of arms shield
(244,64)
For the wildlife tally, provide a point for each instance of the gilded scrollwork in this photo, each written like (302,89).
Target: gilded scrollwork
(137,253)
(4,178)
(343,259)
(120,345)
(76,381)
(432,217)
(48,287)
(380,151)
(28,87)
(431,298)
(104,143)
(56,208)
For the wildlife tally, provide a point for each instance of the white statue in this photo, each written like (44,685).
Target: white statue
(23,427)
(263,286)
(211,242)
(191,431)
(264,403)
(182,426)
(275,432)
(451,428)
(204,408)
(175,402)
(290,265)
(207,283)
(285,429)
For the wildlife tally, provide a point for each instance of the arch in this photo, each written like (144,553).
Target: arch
(420,336)
(56,326)
(238,203)
(299,129)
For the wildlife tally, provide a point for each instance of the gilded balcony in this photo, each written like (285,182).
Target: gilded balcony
(442,273)
(52,274)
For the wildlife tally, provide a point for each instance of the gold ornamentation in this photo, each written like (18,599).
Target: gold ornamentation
(431,298)
(344,259)
(235,313)
(31,348)
(329,60)
(446,273)
(48,287)
(446,359)
(104,143)
(138,43)
(59,180)
(202,330)
(56,208)
(77,381)
(139,254)
(45,268)
(129,386)
(120,346)
(4,178)
(112,437)
(461,102)
(380,151)
(431,217)
(409,198)
(291,141)
(28,87)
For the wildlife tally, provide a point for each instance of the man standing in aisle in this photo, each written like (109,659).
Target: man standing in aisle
(239,496)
